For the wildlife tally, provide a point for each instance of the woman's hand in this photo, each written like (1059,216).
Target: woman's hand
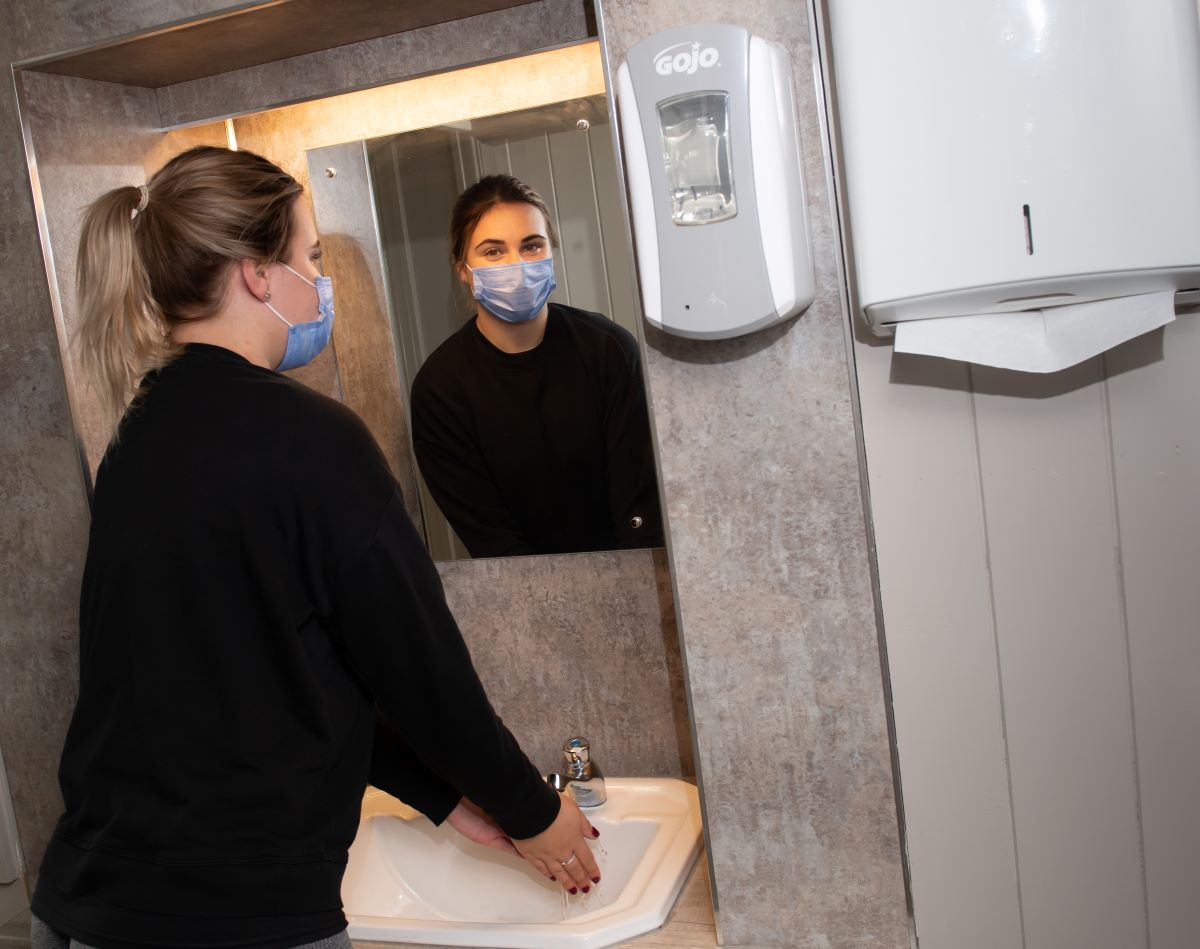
(561,851)
(470,821)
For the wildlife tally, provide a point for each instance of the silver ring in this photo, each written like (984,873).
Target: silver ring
(570,860)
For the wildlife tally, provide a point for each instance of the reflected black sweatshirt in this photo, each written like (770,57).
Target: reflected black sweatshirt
(261,632)
(542,452)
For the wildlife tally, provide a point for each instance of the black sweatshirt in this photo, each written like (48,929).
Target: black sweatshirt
(545,451)
(261,632)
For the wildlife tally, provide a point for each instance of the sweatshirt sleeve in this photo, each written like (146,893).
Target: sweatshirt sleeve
(458,478)
(396,769)
(399,637)
(632,485)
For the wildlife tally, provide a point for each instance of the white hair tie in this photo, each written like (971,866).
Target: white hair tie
(141,204)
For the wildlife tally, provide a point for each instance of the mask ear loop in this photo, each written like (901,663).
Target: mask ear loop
(277,313)
(300,275)
(266,301)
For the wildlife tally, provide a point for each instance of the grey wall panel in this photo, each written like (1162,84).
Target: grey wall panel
(919,426)
(579,644)
(756,444)
(43,517)
(1156,454)
(91,137)
(107,130)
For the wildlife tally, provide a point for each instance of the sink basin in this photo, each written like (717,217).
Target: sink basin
(408,881)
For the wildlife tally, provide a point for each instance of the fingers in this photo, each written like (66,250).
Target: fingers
(572,875)
(582,871)
(562,852)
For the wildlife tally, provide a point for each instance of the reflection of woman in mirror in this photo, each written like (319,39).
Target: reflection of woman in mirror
(261,628)
(530,422)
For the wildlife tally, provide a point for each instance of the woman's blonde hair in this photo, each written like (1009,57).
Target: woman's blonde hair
(157,255)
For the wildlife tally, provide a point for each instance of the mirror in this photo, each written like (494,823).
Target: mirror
(541,448)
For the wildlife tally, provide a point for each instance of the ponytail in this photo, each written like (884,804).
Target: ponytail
(121,332)
(153,256)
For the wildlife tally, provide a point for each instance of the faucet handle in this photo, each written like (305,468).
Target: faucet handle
(578,754)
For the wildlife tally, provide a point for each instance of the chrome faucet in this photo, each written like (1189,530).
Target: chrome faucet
(580,777)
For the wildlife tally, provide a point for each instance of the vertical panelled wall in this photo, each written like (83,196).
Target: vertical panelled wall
(760,471)
(1037,540)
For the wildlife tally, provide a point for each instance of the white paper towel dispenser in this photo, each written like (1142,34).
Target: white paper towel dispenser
(712,156)
(1018,154)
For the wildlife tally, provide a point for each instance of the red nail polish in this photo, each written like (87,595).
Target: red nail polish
(587,889)
(595,879)
(595,833)
(573,891)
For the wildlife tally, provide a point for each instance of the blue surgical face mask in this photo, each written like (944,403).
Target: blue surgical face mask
(516,292)
(306,340)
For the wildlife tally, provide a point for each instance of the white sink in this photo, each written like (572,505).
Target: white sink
(409,881)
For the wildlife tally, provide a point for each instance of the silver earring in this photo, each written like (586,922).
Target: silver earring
(268,296)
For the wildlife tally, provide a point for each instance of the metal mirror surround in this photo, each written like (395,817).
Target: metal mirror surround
(411,180)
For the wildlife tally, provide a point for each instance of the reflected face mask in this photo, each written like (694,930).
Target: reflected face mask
(306,340)
(516,292)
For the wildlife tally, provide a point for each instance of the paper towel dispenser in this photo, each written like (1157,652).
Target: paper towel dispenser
(712,156)
(1018,154)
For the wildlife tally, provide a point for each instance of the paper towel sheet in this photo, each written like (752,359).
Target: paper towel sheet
(1038,340)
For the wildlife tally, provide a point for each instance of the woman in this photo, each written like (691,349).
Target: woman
(529,423)
(261,631)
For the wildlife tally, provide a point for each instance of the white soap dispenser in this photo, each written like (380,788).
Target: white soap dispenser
(712,155)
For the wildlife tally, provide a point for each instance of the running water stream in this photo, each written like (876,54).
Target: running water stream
(583,900)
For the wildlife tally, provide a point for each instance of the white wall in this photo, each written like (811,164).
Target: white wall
(1037,539)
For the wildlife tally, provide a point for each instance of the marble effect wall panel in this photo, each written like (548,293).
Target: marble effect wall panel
(91,137)
(771,568)
(579,644)
(43,505)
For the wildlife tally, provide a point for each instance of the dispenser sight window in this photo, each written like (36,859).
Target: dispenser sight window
(696,152)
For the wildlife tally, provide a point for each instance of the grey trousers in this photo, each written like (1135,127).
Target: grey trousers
(42,936)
